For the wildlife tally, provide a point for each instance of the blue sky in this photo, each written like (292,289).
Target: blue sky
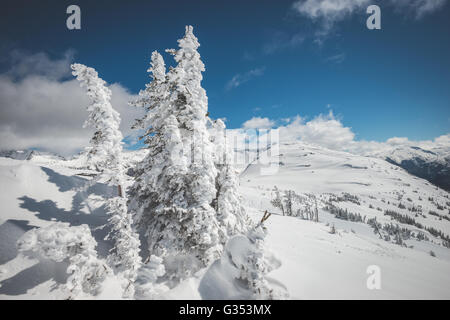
(264,58)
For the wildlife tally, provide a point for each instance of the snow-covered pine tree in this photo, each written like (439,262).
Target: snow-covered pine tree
(316,211)
(190,104)
(277,202)
(105,155)
(230,213)
(124,256)
(289,196)
(175,184)
(153,99)
(157,196)
(104,152)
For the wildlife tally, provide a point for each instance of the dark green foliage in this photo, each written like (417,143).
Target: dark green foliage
(344,214)
(403,218)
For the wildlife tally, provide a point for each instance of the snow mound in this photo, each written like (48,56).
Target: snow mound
(58,241)
(241,273)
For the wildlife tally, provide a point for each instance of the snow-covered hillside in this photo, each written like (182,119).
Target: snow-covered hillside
(333,265)
(432,164)
(312,262)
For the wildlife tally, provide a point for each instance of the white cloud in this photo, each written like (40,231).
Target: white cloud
(41,108)
(329,12)
(258,123)
(280,40)
(397,141)
(323,130)
(337,58)
(419,8)
(241,78)
(443,140)
(328,9)
(329,132)
(439,145)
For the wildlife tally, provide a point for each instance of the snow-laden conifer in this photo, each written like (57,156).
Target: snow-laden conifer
(104,153)
(230,213)
(157,196)
(174,187)
(190,104)
(124,255)
(105,156)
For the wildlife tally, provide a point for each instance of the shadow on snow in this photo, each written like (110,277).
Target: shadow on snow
(48,210)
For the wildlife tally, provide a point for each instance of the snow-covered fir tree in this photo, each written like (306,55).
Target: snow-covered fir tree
(174,197)
(277,201)
(105,155)
(124,256)
(104,152)
(157,197)
(190,104)
(230,213)
(289,197)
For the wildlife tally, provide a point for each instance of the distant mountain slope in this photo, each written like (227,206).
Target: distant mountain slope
(16,154)
(29,154)
(352,194)
(432,165)
(308,169)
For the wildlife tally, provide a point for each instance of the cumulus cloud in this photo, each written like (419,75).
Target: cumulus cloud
(329,132)
(42,106)
(241,78)
(439,145)
(323,130)
(258,123)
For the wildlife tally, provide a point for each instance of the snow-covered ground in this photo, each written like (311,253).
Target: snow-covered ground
(313,263)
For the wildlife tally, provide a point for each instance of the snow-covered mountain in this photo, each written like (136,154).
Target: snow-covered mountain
(432,165)
(29,154)
(382,216)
